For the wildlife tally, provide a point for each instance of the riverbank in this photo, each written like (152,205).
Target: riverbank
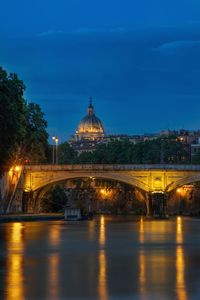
(31,217)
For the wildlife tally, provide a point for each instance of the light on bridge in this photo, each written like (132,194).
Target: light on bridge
(17,168)
(103,191)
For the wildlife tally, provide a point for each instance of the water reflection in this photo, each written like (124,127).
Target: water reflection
(53,262)
(180,262)
(102,237)
(142,268)
(141,230)
(91,229)
(54,235)
(53,276)
(15,276)
(103,259)
(102,277)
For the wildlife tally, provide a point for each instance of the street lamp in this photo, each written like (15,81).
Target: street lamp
(55,139)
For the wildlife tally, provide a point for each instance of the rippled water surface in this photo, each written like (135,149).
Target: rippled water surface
(107,258)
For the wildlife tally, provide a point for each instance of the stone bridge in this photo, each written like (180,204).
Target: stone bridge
(152,179)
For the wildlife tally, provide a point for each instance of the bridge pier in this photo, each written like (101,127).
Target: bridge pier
(156,204)
(28,202)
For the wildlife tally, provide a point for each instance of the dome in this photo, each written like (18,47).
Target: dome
(90,126)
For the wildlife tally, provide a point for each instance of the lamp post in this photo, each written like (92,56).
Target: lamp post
(53,155)
(55,139)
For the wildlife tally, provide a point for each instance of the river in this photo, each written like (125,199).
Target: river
(107,258)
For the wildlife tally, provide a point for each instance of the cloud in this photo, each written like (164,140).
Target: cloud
(50,33)
(81,31)
(174,46)
(101,30)
(117,67)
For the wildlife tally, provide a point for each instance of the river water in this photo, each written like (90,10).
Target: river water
(106,258)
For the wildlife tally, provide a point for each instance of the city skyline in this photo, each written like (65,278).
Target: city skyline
(139,62)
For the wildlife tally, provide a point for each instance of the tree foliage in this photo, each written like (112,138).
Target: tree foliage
(148,152)
(12,117)
(55,200)
(66,154)
(35,142)
(22,126)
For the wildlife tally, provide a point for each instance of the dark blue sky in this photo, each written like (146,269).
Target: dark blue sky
(139,60)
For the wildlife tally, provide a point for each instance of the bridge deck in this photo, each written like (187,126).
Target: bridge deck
(110,167)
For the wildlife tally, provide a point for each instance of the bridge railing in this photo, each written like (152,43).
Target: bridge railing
(111,167)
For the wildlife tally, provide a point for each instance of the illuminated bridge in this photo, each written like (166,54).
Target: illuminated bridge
(35,180)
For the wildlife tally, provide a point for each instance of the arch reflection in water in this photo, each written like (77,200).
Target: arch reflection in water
(15,275)
(53,262)
(102,276)
(180,262)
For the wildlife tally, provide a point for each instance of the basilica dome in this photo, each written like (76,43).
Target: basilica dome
(90,127)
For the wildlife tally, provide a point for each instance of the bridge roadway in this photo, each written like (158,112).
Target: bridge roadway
(152,179)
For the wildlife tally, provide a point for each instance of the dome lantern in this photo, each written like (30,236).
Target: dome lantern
(90,108)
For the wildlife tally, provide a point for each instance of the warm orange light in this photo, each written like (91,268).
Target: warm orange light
(10,173)
(180,262)
(102,234)
(103,191)
(17,168)
(178,190)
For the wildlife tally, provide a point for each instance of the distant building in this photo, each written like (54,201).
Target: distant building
(90,128)
(90,133)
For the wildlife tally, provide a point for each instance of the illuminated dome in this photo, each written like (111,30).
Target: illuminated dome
(90,127)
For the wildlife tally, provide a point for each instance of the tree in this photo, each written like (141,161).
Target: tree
(12,117)
(196,158)
(23,132)
(66,154)
(55,200)
(125,152)
(35,144)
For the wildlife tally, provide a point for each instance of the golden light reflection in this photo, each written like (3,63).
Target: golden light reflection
(180,262)
(102,286)
(142,275)
(92,226)
(141,230)
(15,276)
(102,235)
(54,240)
(53,276)
(142,268)
(54,235)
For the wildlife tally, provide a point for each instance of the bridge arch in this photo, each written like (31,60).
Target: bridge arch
(49,180)
(41,189)
(184,181)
